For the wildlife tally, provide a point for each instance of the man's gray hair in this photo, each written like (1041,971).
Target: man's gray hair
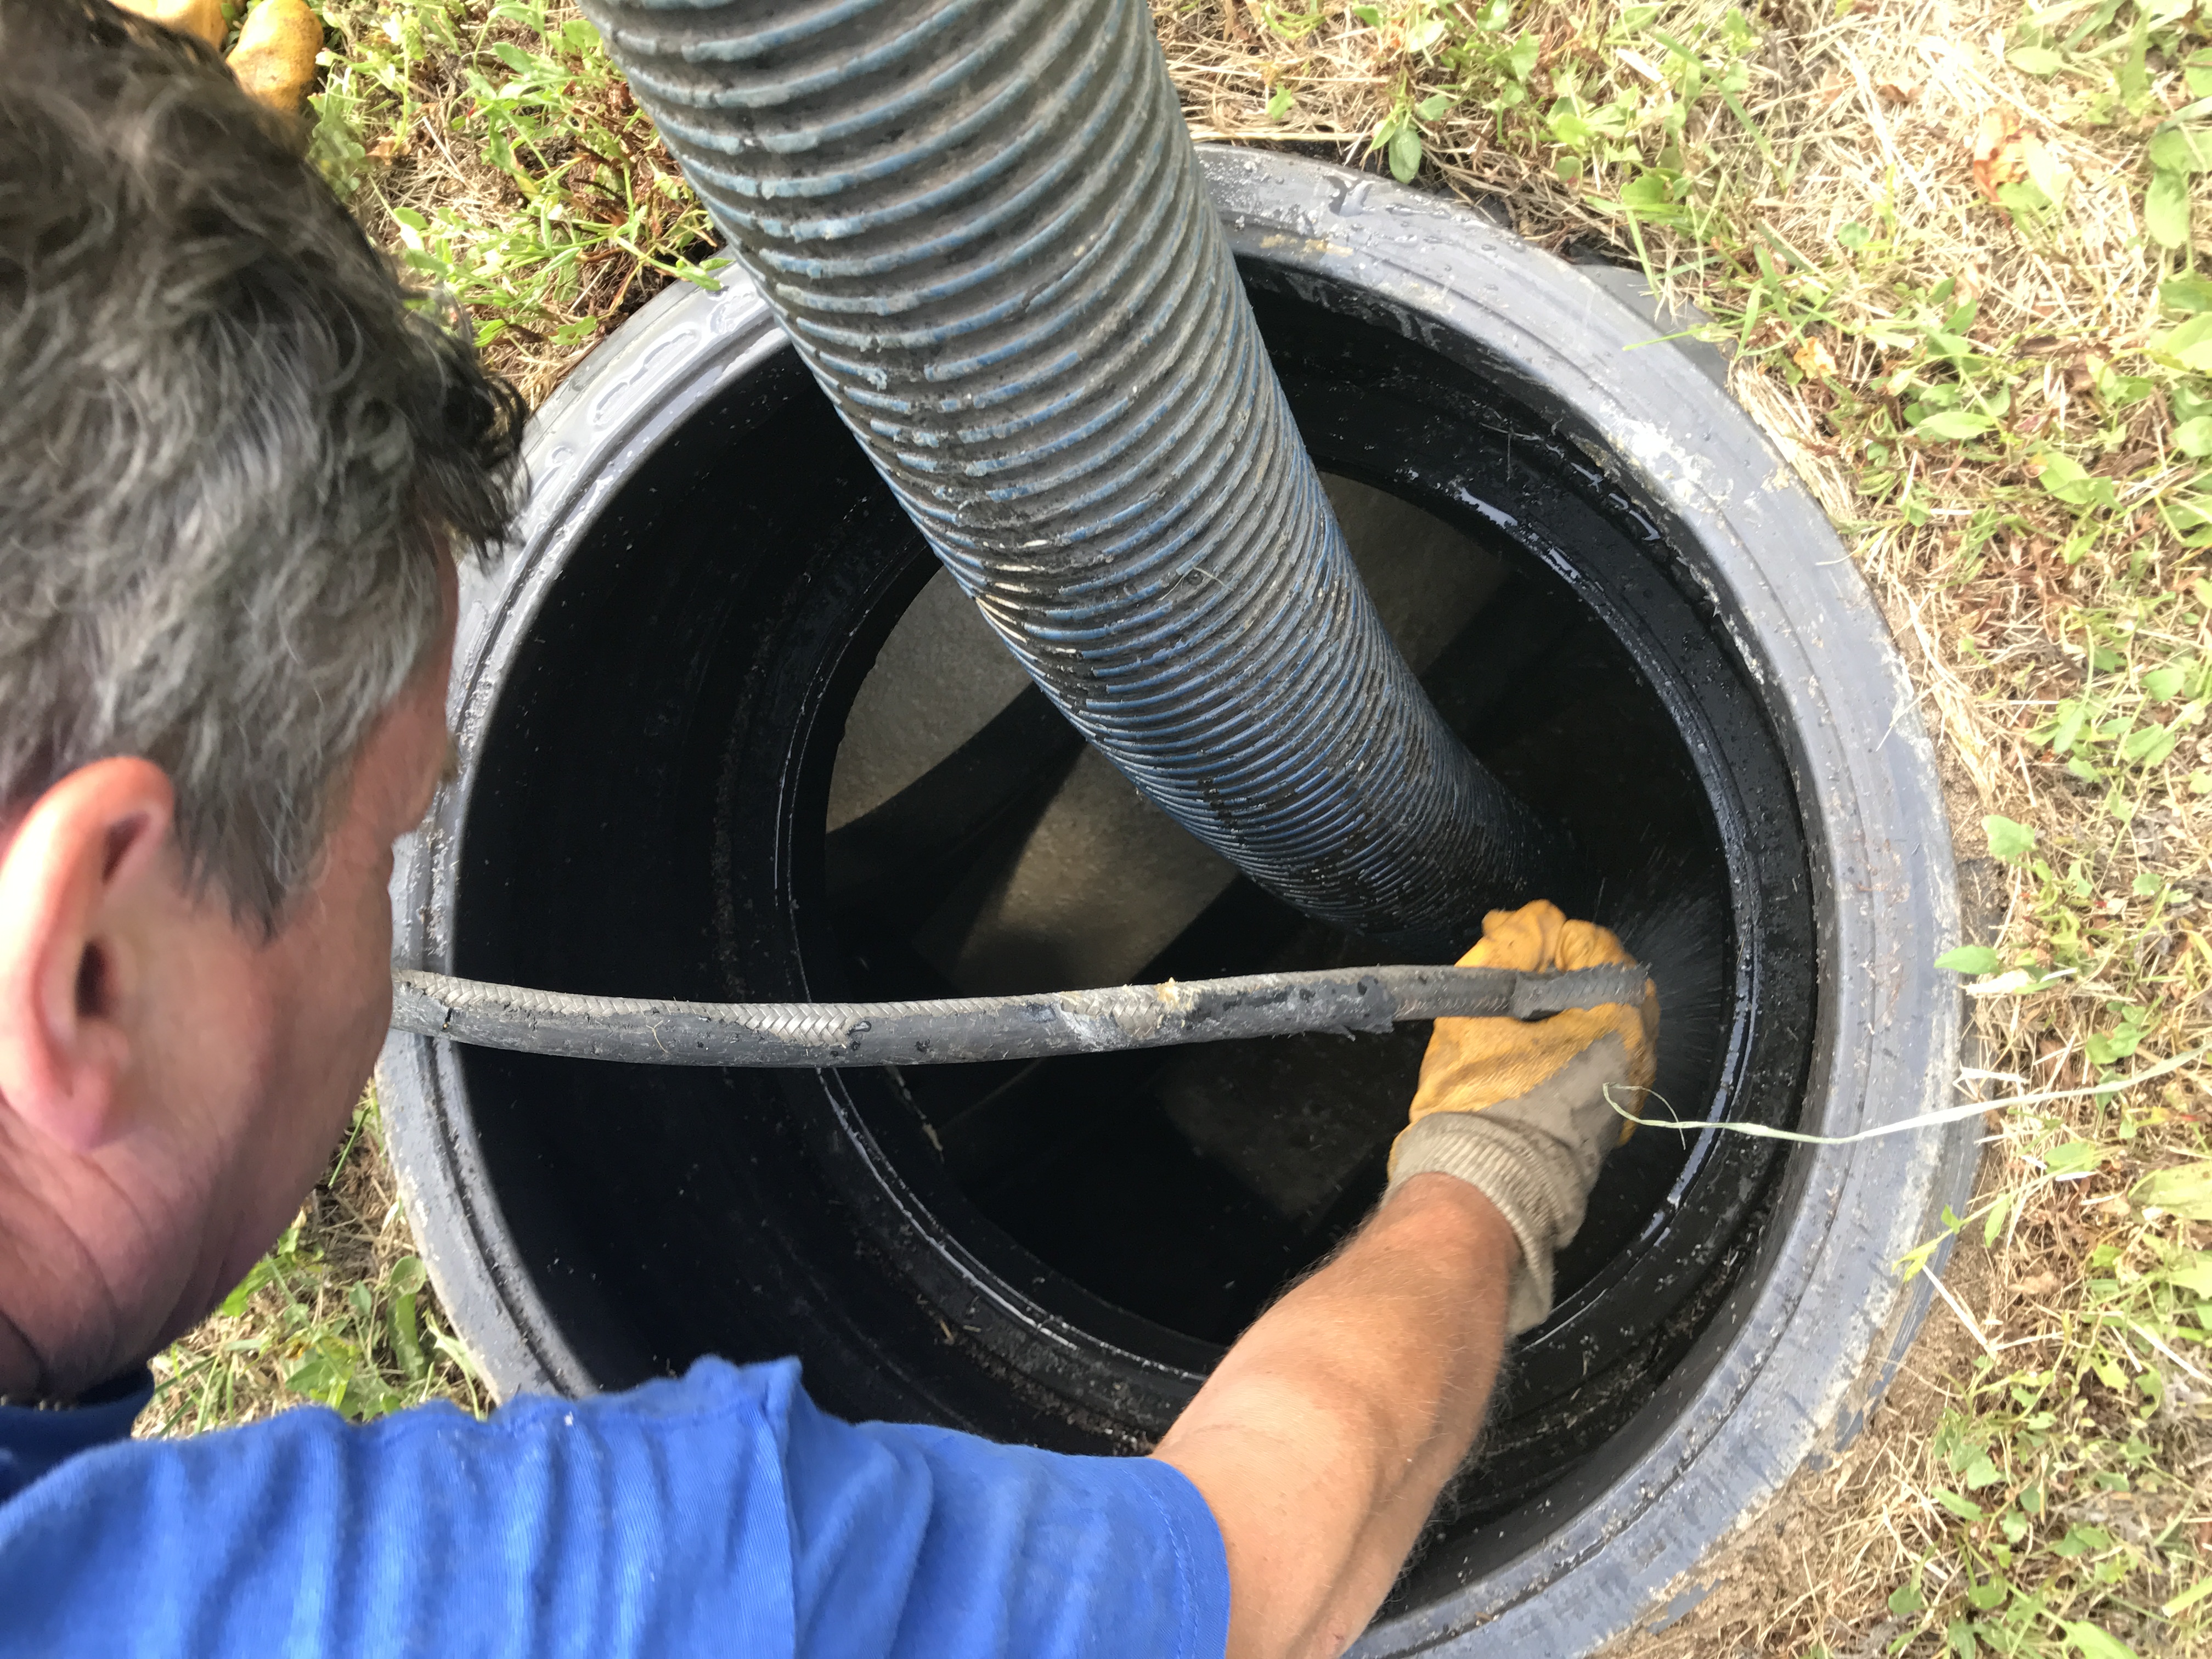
(228,449)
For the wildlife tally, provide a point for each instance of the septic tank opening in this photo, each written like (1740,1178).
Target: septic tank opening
(976,845)
(655,688)
(1059,1253)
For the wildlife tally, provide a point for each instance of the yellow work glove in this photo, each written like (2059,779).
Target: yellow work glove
(274,58)
(1517,1108)
(201,17)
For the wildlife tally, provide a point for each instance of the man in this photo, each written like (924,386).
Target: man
(233,461)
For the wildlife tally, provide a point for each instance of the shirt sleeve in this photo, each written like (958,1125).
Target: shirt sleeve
(914,1541)
(720,1513)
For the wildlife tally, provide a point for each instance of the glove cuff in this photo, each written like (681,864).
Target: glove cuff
(1511,1168)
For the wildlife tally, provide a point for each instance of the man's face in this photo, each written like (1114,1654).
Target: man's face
(172,1082)
(322,988)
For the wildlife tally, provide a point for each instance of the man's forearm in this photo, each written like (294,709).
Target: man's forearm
(1322,1438)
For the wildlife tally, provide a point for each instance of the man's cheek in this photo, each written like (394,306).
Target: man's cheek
(364,976)
(372,971)
(376,951)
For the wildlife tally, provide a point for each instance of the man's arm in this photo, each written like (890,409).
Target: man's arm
(1322,1439)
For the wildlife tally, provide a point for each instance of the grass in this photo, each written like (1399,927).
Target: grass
(340,1313)
(1952,247)
(502,159)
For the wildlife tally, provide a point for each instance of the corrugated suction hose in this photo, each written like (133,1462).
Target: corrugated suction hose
(981,223)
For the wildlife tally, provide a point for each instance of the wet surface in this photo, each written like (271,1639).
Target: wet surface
(1189,1187)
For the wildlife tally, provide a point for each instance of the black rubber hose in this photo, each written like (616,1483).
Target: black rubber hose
(982,226)
(830,1034)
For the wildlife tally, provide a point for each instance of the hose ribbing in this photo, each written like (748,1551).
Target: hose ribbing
(981,223)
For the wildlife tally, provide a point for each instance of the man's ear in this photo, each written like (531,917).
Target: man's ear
(73,877)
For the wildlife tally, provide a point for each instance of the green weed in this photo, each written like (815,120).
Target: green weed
(435,113)
(324,1318)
